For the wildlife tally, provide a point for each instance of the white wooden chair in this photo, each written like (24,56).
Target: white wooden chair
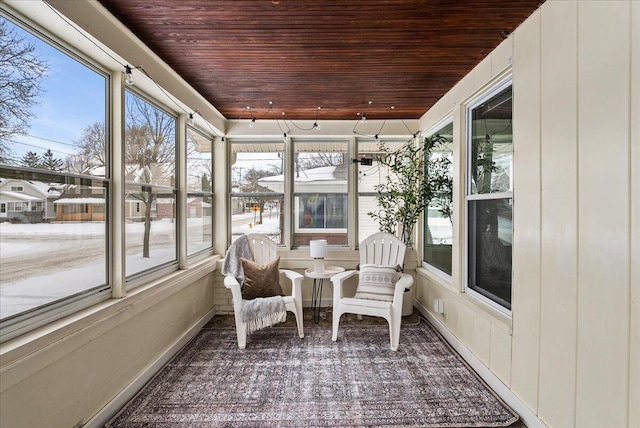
(380,249)
(265,250)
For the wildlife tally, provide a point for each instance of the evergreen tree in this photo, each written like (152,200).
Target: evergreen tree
(51,163)
(31,160)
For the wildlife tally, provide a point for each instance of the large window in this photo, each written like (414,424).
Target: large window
(490,196)
(54,179)
(371,174)
(150,194)
(320,192)
(56,164)
(438,217)
(257,189)
(199,192)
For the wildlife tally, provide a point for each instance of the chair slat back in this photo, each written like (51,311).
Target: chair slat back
(263,249)
(382,249)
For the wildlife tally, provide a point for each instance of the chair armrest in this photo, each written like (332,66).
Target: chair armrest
(230,281)
(405,281)
(296,282)
(292,275)
(232,284)
(337,281)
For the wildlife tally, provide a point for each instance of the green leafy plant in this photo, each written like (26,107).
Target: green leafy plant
(415,179)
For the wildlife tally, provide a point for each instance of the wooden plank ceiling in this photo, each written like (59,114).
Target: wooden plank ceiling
(347,57)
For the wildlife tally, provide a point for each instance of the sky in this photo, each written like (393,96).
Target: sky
(73,98)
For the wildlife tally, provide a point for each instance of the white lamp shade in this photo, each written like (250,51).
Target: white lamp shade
(318,248)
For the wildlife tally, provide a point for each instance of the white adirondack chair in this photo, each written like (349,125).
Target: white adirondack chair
(381,249)
(265,250)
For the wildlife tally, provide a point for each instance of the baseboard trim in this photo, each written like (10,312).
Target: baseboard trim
(109,411)
(530,419)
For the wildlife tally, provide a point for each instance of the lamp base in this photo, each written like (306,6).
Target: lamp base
(318,265)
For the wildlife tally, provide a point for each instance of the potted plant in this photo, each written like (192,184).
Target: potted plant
(415,179)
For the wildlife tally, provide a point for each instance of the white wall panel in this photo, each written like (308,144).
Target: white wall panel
(501,57)
(634,337)
(500,357)
(481,338)
(482,73)
(559,214)
(526,211)
(604,193)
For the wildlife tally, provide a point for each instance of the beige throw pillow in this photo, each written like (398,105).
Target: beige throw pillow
(377,282)
(261,280)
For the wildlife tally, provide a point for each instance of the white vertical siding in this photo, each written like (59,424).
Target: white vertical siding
(574,335)
(603,217)
(526,207)
(559,229)
(634,336)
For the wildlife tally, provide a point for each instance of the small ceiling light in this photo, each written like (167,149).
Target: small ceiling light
(315,124)
(128,75)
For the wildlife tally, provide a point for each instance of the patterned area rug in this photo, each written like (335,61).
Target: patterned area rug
(280,380)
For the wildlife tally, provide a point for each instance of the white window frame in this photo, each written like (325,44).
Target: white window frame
(433,269)
(502,84)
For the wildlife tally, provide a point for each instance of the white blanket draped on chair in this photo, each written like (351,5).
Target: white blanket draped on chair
(258,313)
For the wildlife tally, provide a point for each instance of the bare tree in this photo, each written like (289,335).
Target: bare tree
(90,150)
(251,184)
(151,152)
(21,73)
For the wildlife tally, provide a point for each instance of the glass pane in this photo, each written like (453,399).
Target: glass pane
(199,223)
(320,184)
(369,176)
(150,143)
(150,228)
(438,240)
(366,225)
(492,145)
(53,238)
(320,167)
(257,187)
(438,224)
(199,166)
(52,112)
(257,167)
(257,214)
(490,246)
(320,216)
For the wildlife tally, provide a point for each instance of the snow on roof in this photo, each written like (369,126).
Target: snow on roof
(21,196)
(80,201)
(323,173)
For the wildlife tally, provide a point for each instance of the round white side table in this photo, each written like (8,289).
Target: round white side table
(318,280)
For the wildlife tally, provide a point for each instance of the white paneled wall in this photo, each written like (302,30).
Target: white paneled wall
(559,232)
(634,335)
(603,213)
(526,210)
(570,352)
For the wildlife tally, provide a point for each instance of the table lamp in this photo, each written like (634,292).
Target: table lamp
(318,251)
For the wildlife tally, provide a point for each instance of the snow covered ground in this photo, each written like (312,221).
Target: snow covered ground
(42,263)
